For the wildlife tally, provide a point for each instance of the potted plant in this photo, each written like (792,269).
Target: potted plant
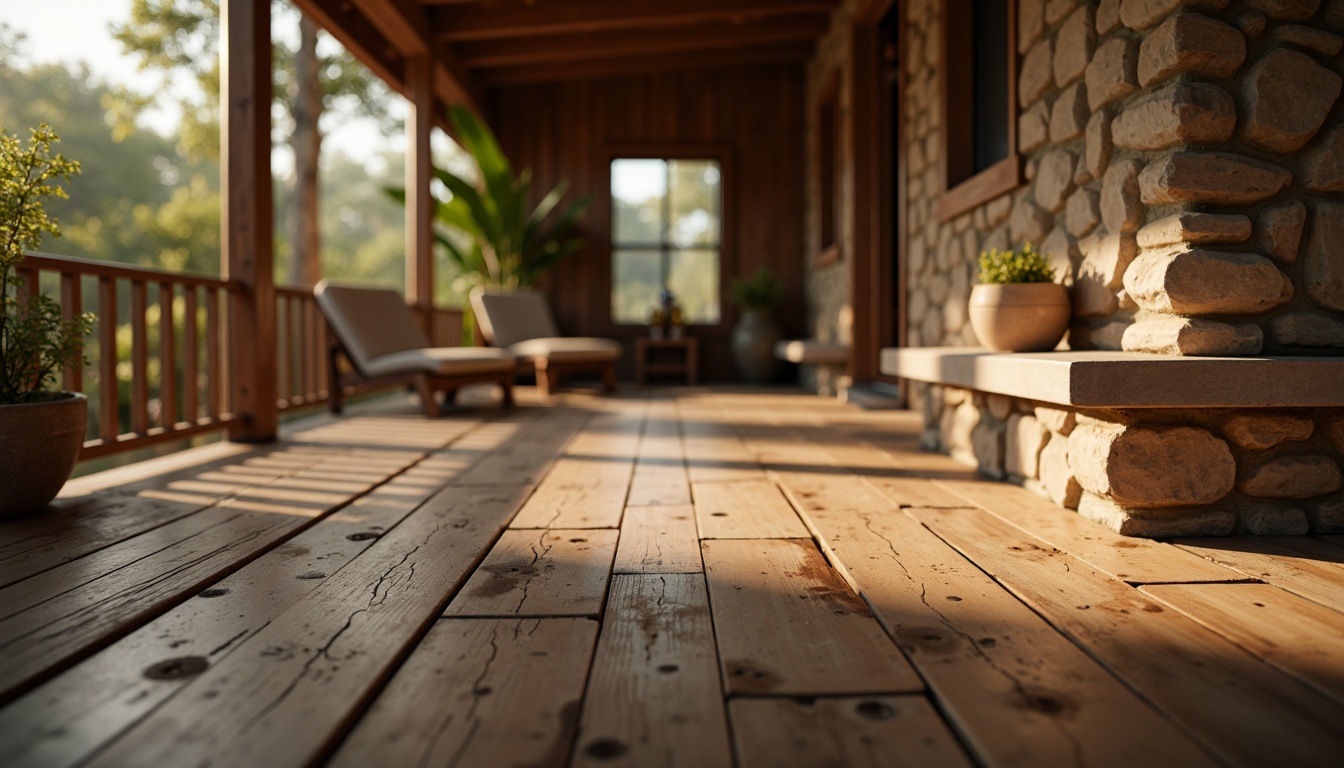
(41,430)
(1018,307)
(756,332)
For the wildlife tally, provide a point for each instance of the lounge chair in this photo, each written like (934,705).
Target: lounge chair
(375,330)
(522,323)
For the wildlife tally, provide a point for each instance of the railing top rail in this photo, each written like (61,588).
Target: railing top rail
(97,268)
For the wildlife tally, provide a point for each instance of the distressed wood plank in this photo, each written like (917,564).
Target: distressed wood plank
(282,698)
(658,540)
(1262,558)
(587,485)
(525,462)
(660,471)
(787,624)
(654,693)
(540,573)
(1302,638)
(714,452)
(1239,707)
(753,509)
(1137,561)
(479,692)
(877,731)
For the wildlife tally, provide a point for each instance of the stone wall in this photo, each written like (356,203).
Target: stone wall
(1154,473)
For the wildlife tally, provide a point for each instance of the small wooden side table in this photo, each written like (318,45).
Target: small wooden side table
(648,360)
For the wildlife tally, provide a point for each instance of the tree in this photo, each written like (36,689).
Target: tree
(183,36)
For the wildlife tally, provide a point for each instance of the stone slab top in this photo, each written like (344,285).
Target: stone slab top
(1128,379)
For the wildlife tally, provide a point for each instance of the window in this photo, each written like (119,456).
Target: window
(980,119)
(666,232)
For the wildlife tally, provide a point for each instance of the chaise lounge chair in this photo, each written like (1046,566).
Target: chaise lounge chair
(375,330)
(522,324)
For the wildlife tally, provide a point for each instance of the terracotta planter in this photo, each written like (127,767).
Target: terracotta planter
(753,345)
(39,445)
(1020,317)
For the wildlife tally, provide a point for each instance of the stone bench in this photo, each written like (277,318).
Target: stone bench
(830,358)
(1147,445)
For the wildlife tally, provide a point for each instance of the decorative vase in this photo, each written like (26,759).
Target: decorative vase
(1020,317)
(39,446)
(753,345)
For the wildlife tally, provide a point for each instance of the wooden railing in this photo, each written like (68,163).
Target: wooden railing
(157,369)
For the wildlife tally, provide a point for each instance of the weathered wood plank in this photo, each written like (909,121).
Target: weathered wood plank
(658,540)
(283,696)
(587,485)
(877,731)
(525,462)
(654,697)
(1262,558)
(787,623)
(714,452)
(752,509)
(540,573)
(1239,707)
(487,692)
(660,471)
(1302,638)
(1137,561)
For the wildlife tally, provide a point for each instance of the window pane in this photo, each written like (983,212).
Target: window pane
(637,191)
(693,200)
(694,277)
(990,50)
(636,281)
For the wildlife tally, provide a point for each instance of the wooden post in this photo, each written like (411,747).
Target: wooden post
(419,205)
(248,226)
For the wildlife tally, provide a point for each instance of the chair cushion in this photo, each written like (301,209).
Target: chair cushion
(569,350)
(370,322)
(508,318)
(443,361)
(810,352)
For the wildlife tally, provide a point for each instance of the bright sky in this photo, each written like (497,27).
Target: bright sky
(78,30)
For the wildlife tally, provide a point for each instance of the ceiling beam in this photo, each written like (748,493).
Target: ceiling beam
(406,27)
(778,53)
(625,43)
(521,18)
(360,37)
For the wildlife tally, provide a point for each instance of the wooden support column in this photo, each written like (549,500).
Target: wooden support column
(865,289)
(248,231)
(419,171)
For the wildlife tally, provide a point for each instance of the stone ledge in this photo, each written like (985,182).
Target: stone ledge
(810,352)
(1127,379)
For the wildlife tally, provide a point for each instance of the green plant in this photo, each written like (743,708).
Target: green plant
(1023,266)
(762,290)
(35,341)
(511,247)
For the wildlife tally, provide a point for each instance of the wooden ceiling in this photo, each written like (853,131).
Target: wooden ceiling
(478,44)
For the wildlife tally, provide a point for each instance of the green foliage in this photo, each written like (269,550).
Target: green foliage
(509,246)
(1024,266)
(35,341)
(762,290)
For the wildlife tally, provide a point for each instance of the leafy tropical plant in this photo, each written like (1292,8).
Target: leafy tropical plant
(510,245)
(36,342)
(761,290)
(1015,266)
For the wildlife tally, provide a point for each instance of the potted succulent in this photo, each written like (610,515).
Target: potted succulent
(1018,307)
(756,333)
(41,430)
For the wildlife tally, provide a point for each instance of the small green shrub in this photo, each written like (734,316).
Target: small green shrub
(1024,266)
(760,291)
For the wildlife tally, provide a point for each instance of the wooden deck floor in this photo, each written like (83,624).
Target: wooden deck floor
(672,578)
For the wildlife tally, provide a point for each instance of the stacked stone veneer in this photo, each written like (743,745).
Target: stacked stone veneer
(1155,473)
(1185,165)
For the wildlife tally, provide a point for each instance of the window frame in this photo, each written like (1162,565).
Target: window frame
(957,135)
(719,153)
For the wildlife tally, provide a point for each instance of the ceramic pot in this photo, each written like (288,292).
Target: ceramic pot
(39,445)
(753,344)
(1020,317)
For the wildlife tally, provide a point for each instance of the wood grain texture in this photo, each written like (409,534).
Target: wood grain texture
(752,509)
(525,461)
(1315,576)
(658,540)
(876,731)
(660,471)
(283,697)
(654,694)
(1262,716)
(787,624)
(714,453)
(540,573)
(587,486)
(461,696)
(1302,638)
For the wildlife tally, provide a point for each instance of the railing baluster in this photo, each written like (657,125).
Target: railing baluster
(191,367)
(212,371)
(323,382)
(139,358)
(72,304)
(282,349)
(109,425)
(167,358)
(309,376)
